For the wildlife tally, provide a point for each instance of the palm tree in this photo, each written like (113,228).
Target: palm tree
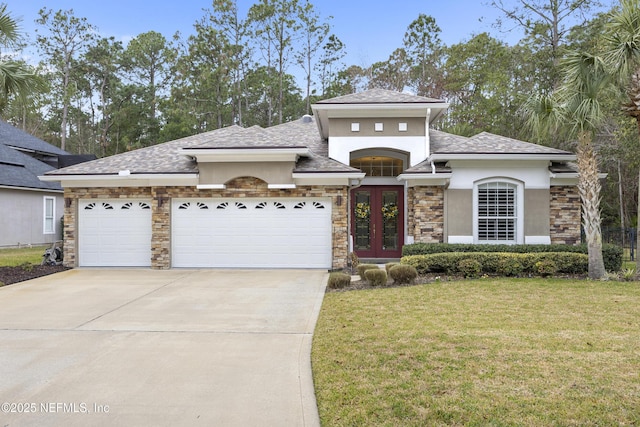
(16,78)
(575,108)
(622,55)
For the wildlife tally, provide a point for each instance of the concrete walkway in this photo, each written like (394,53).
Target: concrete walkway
(144,347)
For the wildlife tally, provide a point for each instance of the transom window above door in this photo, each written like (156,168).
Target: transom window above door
(378,165)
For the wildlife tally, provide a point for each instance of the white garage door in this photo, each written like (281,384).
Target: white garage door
(251,233)
(114,233)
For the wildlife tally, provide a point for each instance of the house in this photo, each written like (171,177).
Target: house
(365,173)
(30,209)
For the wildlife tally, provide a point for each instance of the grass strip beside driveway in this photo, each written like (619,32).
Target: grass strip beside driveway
(483,352)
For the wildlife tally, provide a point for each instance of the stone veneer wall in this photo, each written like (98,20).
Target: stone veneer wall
(565,215)
(161,214)
(425,208)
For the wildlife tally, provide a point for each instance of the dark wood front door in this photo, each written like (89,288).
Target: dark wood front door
(377,218)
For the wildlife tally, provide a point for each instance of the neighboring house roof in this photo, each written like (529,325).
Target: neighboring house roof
(380,96)
(18,167)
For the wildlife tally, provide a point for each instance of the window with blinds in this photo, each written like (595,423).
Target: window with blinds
(497,212)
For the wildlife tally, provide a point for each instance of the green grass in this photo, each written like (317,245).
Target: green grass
(499,352)
(12,257)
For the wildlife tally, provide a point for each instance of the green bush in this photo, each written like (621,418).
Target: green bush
(510,265)
(403,274)
(364,267)
(388,266)
(419,262)
(338,280)
(546,267)
(376,277)
(469,267)
(498,263)
(612,254)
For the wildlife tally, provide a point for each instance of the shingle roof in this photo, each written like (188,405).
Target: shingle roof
(379,96)
(18,169)
(168,158)
(486,143)
(15,137)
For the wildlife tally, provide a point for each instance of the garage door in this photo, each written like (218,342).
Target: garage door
(114,233)
(251,233)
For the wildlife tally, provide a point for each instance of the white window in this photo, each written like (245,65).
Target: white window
(379,127)
(498,212)
(49,214)
(355,127)
(402,127)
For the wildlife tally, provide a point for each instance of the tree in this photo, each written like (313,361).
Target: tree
(16,77)
(425,53)
(576,106)
(546,23)
(147,60)
(332,52)
(392,74)
(622,54)
(314,33)
(67,37)
(275,27)
(101,65)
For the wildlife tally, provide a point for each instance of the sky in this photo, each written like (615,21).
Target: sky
(371,30)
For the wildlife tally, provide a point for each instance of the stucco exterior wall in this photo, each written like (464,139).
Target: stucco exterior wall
(459,212)
(22,217)
(536,212)
(161,212)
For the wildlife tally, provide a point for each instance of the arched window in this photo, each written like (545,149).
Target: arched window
(498,211)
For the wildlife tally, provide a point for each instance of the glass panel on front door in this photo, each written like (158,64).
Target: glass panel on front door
(390,216)
(377,221)
(362,213)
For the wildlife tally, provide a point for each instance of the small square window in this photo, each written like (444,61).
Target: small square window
(402,127)
(379,127)
(355,127)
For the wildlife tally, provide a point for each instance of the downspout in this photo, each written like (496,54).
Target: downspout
(427,138)
(349,225)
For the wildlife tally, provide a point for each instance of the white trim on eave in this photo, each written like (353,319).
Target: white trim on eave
(326,178)
(132,180)
(482,156)
(41,190)
(227,155)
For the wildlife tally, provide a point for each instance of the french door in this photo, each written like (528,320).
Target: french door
(377,218)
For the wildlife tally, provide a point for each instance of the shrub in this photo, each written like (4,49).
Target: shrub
(611,254)
(364,267)
(419,262)
(376,277)
(510,265)
(403,274)
(353,261)
(338,280)
(546,268)
(469,267)
(497,262)
(388,266)
(628,274)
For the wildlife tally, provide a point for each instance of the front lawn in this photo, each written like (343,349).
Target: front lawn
(515,352)
(11,257)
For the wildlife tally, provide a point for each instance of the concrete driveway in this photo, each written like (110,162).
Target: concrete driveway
(146,347)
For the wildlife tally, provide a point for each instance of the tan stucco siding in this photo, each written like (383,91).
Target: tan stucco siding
(269,172)
(342,127)
(536,212)
(459,212)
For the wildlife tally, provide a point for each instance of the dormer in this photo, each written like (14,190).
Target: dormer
(376,120)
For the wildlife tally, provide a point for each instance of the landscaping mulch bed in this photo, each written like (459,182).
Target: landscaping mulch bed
(10,275)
